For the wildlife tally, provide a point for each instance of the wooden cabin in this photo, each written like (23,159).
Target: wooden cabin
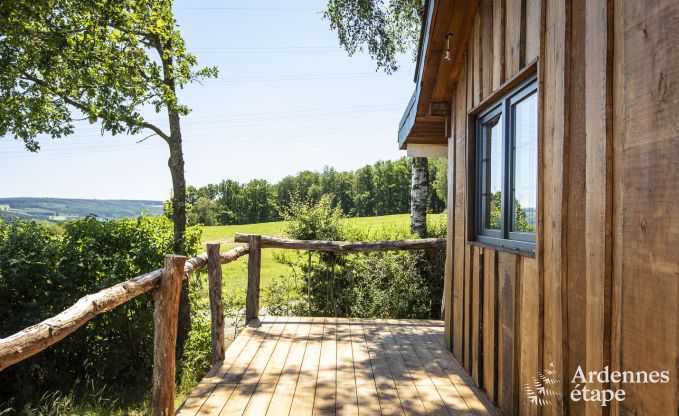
(559,120)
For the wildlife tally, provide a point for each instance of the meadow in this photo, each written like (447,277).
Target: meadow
(235,274)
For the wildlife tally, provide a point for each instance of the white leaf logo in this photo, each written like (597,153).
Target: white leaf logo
(539,391)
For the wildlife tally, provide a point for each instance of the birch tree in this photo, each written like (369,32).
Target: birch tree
(385,29)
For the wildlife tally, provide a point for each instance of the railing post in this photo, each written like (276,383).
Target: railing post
(214,273)
(254,268)
(165,320)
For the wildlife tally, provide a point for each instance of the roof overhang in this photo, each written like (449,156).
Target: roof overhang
(425,120)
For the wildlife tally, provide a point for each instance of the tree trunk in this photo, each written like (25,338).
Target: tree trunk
(418,196)
(176,164)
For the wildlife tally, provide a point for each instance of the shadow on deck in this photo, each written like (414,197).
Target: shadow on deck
(304,366)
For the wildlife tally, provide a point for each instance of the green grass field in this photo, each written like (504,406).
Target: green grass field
(235,274)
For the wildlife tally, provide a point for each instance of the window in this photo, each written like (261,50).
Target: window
(506,170)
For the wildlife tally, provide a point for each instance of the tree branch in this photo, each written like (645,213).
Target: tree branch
(82,107)
(147,137)
(156,130)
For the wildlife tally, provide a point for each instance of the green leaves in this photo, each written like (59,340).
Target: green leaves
(41,275)
(104,60)
(384,30)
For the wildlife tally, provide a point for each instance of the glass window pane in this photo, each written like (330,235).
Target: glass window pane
(525,164)
(492,168)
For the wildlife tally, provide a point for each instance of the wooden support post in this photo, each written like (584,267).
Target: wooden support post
(165,320)
(214,273)
(254,268)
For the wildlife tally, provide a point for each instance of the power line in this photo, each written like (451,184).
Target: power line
(304,132)
(277,117)
(254,51)
(162,147)
(262,48)
(309,77)
(275,9)
(293,112)
(309,120)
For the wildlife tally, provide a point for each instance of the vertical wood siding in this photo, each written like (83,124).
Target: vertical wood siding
(649,327)
(603,286)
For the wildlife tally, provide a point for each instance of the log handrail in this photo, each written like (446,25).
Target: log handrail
(214,277)
(36,338)
(343,247)
(258,242)
(32,340)
(165,324)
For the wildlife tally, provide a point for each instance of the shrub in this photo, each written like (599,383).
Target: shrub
(380,285)
(42,274)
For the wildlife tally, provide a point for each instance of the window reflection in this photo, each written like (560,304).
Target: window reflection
(493,167)
(525,165)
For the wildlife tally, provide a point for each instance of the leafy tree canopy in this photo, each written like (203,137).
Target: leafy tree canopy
(384,29)
(106,59)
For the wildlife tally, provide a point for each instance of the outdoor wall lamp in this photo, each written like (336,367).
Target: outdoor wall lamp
(448,56)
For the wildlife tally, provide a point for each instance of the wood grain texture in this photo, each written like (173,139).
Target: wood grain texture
(599,198)
(576,214)
(460,218)
(498,43)
(618,129)
(254,271)
(489,323)
(351,366)
(165,318)
(448,286)
(467,313)
(554,147)
(214,275)
(533,26)
(530,332)
(513,35)
(507,380)
(487,35)
(650,234)
(476,63)
(476,314)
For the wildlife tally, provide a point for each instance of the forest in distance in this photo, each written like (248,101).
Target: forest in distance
(382,188)
(57,210)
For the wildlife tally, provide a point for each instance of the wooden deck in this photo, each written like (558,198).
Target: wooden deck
(304,366)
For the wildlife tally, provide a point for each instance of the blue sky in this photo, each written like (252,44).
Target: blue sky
(287,99)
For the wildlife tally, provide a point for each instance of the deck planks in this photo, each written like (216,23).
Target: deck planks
(344,366)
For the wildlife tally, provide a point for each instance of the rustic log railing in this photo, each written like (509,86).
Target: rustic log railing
(166,283)
(346,247)
(257,243)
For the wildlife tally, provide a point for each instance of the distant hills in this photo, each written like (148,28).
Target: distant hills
(62,209)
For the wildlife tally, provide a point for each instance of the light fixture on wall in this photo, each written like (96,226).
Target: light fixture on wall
(448,56)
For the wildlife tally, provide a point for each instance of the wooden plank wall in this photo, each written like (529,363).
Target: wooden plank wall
(646,162)
(491,292)
(501,337)
(603,286)
(575,211)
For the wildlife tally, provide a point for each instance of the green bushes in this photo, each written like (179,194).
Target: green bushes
(380,285)
(42,273)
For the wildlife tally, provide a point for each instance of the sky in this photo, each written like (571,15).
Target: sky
(287,99)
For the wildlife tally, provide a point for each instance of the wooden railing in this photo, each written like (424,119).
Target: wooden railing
(166,283)
(257,243)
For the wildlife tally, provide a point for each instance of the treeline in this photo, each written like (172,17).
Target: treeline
(379,189)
